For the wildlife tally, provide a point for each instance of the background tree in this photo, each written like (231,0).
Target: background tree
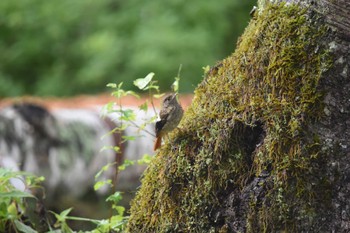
(264,146)
(67,47)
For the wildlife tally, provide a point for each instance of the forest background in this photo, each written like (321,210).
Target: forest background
(65,47)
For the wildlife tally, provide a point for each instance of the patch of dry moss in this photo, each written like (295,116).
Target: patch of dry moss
(250,114)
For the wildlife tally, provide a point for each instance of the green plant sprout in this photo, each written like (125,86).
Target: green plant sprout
(12,205)
(12,200)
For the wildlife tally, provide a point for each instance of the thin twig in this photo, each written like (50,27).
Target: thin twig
(145,130)
(152,102)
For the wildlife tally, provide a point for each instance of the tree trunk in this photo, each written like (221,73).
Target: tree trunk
(265,145)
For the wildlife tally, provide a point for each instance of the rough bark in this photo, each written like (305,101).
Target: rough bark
(336,13)
(265,144)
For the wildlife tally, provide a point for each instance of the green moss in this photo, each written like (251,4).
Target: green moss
(269,83)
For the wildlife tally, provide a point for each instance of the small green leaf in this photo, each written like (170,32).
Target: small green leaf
(125,164)
(118,222)
(132,93)
(206,69)
(62,216)
(141,83)
(119,209)
(146,159)
(175,85)
(65,213)
(152,86)
(12,211)
(111,85)
(144,106)
(24,228)
(119,93)
(104,168)
(100,184)
(15,194)
(108,107)
(116,197)
(128,115)
(115,148)
(128,138)
(34,180)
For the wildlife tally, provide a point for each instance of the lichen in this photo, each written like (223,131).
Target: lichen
(249,115)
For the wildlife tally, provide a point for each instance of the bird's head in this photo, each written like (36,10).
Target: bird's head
(170,99)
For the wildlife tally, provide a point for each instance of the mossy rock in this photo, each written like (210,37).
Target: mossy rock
(245,158)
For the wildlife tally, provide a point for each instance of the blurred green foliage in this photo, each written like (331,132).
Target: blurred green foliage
(67,47)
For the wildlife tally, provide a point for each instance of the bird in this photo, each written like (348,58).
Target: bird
(170,116)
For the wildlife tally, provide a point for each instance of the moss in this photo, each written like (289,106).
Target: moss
(249,115)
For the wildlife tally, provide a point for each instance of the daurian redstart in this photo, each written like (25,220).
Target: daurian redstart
(170,116)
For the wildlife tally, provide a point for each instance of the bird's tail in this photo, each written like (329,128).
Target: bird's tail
(158,143)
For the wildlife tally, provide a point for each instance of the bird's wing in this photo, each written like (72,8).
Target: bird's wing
(163,115)
(159,126)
